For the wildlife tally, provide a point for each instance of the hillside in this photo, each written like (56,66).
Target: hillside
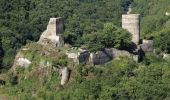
(35,64)
(155,21)
(24,20)
(118,79)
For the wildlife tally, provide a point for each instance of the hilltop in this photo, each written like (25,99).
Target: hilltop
(84,54)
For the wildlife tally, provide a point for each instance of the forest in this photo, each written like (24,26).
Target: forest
(96,24)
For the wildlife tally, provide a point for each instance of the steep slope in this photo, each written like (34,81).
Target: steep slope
(24,20)
(154,16)
(119,79)
(35,67)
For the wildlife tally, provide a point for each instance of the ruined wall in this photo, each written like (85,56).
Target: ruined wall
(101,57)
(79,57)
(83,57)
(55,26)
(53,34)
(131,22)
(97,58)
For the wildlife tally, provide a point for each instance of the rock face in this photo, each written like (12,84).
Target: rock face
(65,75)
(167,14)
(166,56)
(131,23)
(147,45)
(23,62)
(53,34)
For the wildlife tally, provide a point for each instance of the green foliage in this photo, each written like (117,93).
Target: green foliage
(109,37)
(121,79)
(24,20)
(162,41)
(153,17)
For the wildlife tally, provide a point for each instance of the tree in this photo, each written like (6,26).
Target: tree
(110,37)
(162,41)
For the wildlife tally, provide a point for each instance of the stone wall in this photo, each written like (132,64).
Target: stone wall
(79,56)
(53,35)
(101,57)
(97,58)
(55,26)
(83,57)
(131,22)
(107,55)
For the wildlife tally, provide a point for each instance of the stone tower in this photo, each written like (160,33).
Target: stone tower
(55,26)
(131,22)
(53,34)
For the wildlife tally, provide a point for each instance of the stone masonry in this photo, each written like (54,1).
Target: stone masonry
(131,22)
(53,34)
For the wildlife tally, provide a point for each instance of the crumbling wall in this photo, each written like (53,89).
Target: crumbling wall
(97,58)
(83,57)
(107,55)
(79,57)
(131,22)
(53,34)
(101,57)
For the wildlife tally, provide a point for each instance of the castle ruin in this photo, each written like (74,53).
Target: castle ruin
(131,22)
(53,34)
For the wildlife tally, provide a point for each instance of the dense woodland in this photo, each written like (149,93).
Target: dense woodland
(23,21)
(96,24)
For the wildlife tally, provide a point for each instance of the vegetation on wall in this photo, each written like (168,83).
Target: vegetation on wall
(24,20)
(120,79)
(95,24)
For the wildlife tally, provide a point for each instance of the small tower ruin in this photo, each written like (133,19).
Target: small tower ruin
(53,34)
(131,22)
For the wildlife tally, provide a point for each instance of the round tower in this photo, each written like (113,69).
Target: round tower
(131,22)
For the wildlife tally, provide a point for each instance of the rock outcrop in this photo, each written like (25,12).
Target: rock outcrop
(147,45)
(53,34)
(65,75)
(166,56)
(23,62)
(107,55)
(167,14)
